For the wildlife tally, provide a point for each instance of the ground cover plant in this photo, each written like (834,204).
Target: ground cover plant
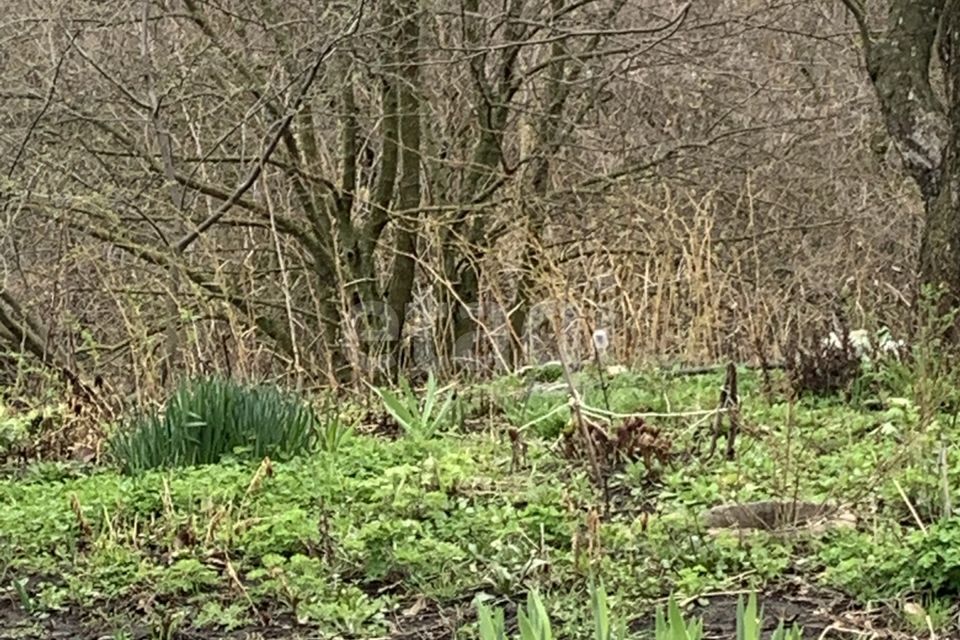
(493,523)
(405,319)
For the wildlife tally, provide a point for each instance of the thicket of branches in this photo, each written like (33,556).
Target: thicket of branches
(336,190)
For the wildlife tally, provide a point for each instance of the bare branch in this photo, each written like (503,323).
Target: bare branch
(48,99)
(279,130)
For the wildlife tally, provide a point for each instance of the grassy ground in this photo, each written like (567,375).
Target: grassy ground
(395,535)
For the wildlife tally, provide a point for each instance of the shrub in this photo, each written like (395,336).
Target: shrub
(210,418)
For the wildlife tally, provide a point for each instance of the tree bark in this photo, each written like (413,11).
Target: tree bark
(400,288)
(940,246)
(925,131)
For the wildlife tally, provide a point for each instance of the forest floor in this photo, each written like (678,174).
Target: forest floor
(397,535)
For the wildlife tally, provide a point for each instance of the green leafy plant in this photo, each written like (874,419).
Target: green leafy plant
(185,576)
(208,419)
(491,623)
(16,429)
(545,413)
(533,622)
(750,623)
(929,562)
(605,628)
(862,564)
(672,626)
(315,596)
(26,600)
(782,633)
(333,434)
(228,617)
(418,418)
(749,620)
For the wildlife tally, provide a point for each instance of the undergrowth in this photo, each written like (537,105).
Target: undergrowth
(306,519)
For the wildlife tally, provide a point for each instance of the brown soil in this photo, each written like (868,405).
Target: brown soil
(823,614)
(420,620)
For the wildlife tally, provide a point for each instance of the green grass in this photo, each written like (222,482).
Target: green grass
(350,539)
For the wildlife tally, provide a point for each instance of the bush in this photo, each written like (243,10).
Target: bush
(210,418)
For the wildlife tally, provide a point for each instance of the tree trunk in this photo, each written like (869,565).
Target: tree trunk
(923,129)
(547,133)
(940,246)
(400,288)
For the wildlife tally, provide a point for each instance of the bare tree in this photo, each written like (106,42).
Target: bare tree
(344,189)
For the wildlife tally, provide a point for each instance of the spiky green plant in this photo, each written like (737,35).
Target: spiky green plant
(333,433)
(605,627)
(672,626)
(750,622)
(491,623)
(533,622)
(210,418)
(418,417)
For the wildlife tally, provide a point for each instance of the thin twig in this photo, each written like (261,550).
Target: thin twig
(279,130)
(909,504)
(650,414)
(47,101)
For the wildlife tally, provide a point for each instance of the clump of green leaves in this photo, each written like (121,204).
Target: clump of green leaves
(333,433)
(931,559)
(534,623)
(315,596)
(672,626)
(750,623)
(546,413)
(14,429)
(210,418)
(925,563)
(418,417)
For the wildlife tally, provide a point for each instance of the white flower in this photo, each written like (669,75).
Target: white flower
(860,341)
